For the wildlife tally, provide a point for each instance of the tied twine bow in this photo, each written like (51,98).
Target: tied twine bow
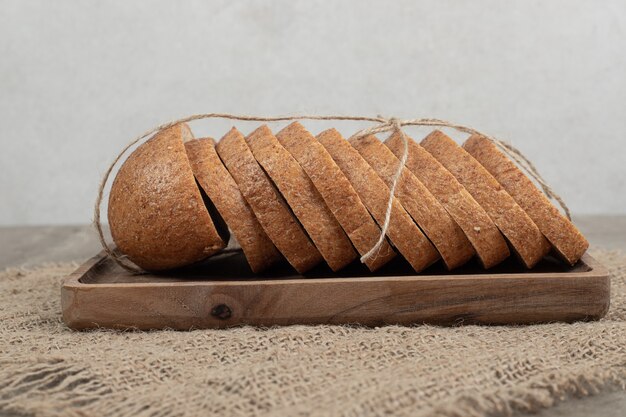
(382,125)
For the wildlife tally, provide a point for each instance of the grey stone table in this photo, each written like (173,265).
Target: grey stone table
(24,246)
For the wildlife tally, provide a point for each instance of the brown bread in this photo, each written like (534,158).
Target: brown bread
(565,238)
(427,212)
(523,235)
(223,192)
(482,233)
(337,192)
(267,204)
(156,212)
(300,193)
(402,232)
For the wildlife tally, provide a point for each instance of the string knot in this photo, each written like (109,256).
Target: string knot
(395,123)
(385,124)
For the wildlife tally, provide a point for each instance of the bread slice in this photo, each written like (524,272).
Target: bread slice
(482,233)
(267,204)
(402,232)
(300,193)
(222,190)
(427,212)
(565,238)
(337,192)
(156,211)
(523,235)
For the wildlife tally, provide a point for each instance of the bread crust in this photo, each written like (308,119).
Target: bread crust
(521,232)
(269,207)
(564,237)
(156,212)
(447,237)
(299,192)
(337,192)
(480,230)
(402,232)
(222,189)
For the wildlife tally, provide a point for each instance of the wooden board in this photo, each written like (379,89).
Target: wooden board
(223,292)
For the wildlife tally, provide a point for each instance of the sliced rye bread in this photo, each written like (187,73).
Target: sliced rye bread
(156,212)
(402,232)
(337,192)
(223,192)
(565,238)
(305,201)
(523,235)
(448,238)
(266,202)
(482,233)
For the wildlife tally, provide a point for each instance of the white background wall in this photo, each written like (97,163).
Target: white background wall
(79,79)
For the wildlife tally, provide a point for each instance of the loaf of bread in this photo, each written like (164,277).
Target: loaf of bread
(302,199)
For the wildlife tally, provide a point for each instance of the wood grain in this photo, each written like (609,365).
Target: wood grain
(223,292)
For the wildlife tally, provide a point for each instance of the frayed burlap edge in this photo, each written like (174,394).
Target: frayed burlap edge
(49,370)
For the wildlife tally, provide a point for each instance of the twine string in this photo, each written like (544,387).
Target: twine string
(393,124)
(381,125)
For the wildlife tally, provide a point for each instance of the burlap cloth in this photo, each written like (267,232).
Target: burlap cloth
(46,369)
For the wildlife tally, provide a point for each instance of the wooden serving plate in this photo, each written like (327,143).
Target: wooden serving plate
(223,292)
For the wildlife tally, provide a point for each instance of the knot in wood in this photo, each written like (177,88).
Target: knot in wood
(222,312)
